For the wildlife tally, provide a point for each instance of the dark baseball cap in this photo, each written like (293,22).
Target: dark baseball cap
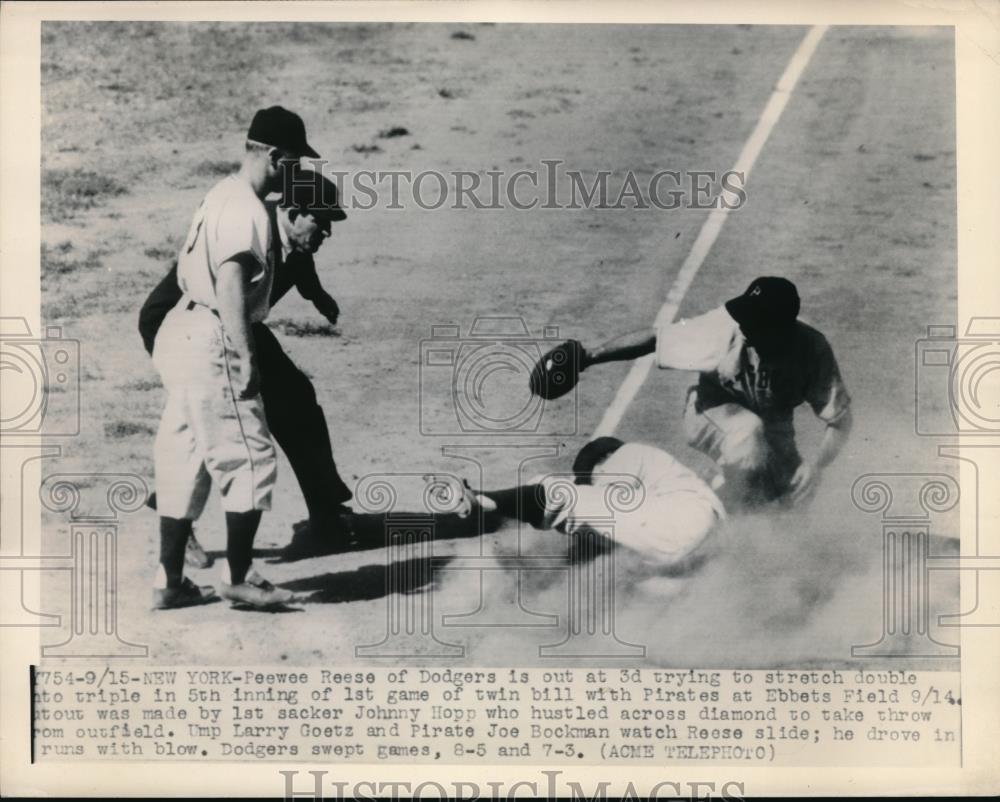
(592,455)
(769,301)
(311,191)
(281,128)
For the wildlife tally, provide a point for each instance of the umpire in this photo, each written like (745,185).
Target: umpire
(301,221)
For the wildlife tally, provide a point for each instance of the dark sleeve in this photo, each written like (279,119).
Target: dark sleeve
(306,279)
(827,394)
(283,280)
(160,301)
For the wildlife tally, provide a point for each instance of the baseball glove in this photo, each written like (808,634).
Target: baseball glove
(558,371)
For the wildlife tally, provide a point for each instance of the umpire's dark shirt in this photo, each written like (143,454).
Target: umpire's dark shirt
(298,271)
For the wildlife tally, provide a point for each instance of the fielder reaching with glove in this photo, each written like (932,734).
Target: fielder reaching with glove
(756,363)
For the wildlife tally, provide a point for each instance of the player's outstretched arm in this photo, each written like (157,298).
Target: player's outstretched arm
(807,475)
(324,303)
(327,307)
(312,289)
(834,438)
(625,347)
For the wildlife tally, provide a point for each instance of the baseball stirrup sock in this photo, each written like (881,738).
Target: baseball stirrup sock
(240,530)
(525,502)
(174,534)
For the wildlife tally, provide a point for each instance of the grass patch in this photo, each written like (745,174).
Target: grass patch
(67,191)
(161,252)
(142,385)
(294,328)
(60,261)
(216,167)
(119,430)
(390,133)
(61,304)
(366,104)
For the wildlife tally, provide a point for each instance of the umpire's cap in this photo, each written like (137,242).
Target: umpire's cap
(281,128)
(311,191)
(769,302)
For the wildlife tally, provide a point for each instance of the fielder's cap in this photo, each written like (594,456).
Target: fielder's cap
(311,191)
(770,301)
(281,128)
(592,455)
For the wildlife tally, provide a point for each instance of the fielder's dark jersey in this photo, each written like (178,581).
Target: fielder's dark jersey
(292,270)
(731,370)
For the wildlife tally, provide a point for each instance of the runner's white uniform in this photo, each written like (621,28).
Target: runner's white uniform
(207,433)
(675,511)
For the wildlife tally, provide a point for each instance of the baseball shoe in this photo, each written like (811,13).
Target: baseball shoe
(449,492)
(256,591)
(188,594)
(313,539)
(195,555)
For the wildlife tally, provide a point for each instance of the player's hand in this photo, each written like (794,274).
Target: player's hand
(247,384)
(804,482)
(330,310)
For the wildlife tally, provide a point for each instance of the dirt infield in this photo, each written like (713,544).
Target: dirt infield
(849,198)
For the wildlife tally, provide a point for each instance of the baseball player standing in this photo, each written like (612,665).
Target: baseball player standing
(213,426)
(756,363)
(300,223)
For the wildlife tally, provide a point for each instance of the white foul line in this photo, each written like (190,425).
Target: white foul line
(712,226)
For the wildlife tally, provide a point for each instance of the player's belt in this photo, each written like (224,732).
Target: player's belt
(192,305)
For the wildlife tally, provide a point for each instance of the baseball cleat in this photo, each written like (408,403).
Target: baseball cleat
(188,594)
(312,539)
(456,496)
(195,555)
(256,591)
